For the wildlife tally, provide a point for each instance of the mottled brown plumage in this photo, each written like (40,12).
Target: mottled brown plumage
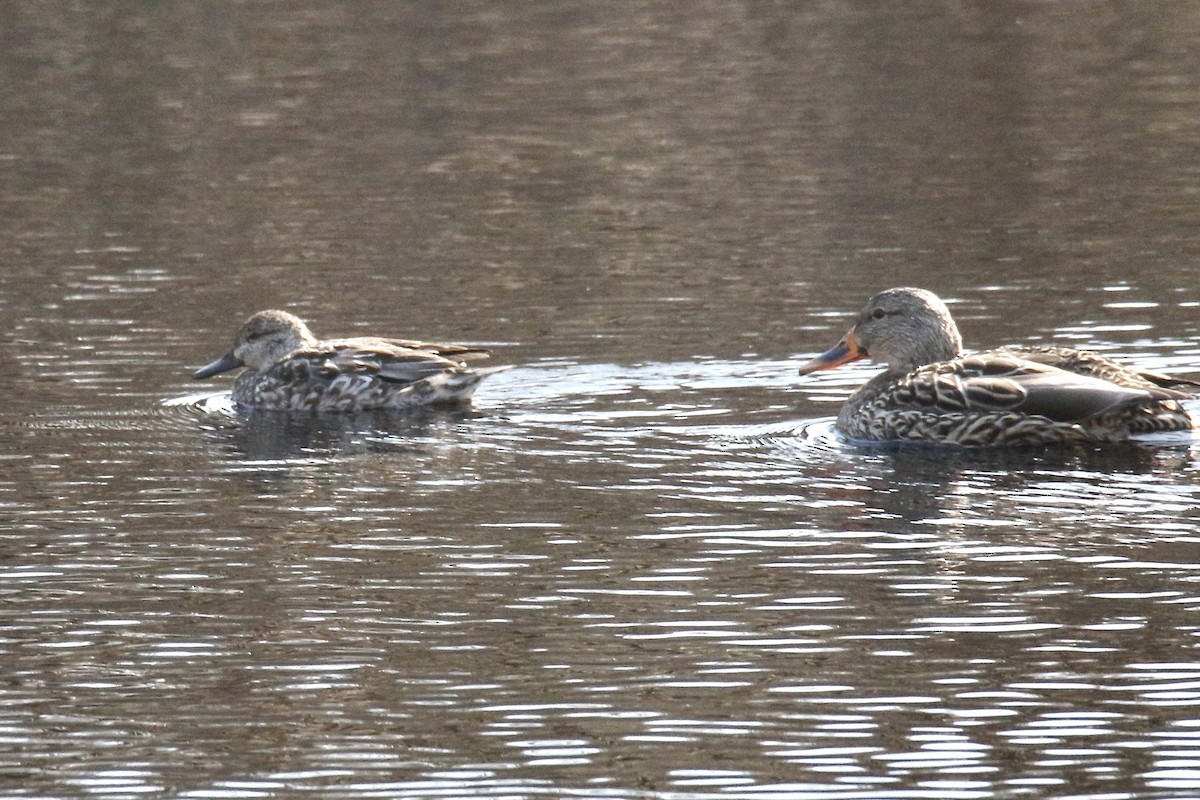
(1087,362)
(288,368)
(930,392)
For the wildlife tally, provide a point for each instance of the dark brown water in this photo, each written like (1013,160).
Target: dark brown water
(646,567)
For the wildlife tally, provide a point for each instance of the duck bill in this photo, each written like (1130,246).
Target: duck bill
(843,352)
(223,364)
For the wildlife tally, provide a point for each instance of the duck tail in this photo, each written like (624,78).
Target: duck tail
(1170,381)
(453,387)
(483,372)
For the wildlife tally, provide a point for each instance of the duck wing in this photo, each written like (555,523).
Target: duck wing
(460,352)
(375,358)
(1087,362)
(1001,382)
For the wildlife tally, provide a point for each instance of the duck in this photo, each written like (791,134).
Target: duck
(930,391)
(288,368)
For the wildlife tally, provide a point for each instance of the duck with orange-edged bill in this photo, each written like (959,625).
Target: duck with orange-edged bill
(930,391)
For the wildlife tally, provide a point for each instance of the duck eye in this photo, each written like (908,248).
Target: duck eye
(878,313)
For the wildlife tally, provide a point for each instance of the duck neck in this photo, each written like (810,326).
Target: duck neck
(942,351)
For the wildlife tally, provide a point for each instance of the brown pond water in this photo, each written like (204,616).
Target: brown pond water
(646,567)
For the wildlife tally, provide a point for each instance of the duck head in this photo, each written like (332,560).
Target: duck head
(264,339)
(903,328)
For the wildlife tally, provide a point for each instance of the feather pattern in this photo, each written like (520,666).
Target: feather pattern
(999,397)
(288,368)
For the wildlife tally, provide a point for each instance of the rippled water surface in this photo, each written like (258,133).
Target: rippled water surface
(644,565)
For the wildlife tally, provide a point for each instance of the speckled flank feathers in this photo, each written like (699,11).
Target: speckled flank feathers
(287,368)
(930,392)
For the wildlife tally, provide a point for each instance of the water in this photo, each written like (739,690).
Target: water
(644,565)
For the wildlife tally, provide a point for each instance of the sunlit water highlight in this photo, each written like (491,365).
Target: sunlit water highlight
(645,565)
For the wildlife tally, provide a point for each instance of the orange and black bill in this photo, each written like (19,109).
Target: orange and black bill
(843,352)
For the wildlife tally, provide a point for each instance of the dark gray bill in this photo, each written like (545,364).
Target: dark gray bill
(223,364)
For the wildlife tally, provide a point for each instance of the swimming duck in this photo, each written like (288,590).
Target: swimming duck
(931,392)
(289,368)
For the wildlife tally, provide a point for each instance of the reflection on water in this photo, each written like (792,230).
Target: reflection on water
(644,565)
(654,589)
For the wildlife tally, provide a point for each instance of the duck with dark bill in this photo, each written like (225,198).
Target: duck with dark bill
(289,368)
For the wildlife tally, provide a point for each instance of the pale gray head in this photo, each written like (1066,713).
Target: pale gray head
(264,339)
(907,328)
(903,328)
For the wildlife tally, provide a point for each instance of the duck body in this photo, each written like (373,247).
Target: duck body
(287,368)
(997,398)
(931,392)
